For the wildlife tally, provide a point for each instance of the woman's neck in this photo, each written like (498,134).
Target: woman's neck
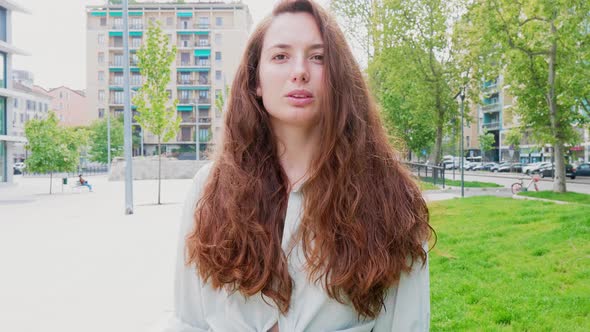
(296,148)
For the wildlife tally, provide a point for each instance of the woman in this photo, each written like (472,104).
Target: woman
(306,220)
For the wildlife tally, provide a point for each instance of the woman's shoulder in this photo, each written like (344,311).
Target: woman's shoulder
(203,173)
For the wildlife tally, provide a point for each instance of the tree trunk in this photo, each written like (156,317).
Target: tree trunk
(50,182)
(159,168)
(559,182)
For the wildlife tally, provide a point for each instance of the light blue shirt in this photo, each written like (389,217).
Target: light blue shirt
(200,308)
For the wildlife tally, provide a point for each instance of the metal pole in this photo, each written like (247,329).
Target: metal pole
(197,158)
(462,95)
(127,113)
(141,140)
(109,141)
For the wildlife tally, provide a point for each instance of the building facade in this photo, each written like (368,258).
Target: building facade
(7,93)
(32,103)
(209,36)
(71,107)
(495,112)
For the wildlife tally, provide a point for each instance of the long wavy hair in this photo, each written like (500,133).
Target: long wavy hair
(364,219)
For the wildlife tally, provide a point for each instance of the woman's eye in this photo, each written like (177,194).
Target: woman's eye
(318,57)
(279,57)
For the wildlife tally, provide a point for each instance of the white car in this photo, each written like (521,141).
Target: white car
(18,167)
(534,167)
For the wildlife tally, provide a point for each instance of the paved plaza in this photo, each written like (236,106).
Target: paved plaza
(72,261)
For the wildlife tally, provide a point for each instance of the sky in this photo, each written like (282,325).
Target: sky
(54,33)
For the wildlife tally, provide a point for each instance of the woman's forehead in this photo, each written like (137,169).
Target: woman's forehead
(294,30)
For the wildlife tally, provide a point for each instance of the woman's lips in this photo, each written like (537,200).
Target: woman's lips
(299,101)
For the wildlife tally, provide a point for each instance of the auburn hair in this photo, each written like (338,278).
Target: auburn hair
(364,219)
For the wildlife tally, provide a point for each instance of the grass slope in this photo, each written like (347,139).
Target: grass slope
(510,265)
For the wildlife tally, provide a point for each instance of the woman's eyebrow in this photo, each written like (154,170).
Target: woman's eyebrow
(287,46)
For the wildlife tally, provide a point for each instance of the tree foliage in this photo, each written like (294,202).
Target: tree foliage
(486,141)
(542,48)
(99,140)
(53,148)
(156,113)
(410,36)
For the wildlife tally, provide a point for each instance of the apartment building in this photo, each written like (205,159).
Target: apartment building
(31,103)
(209,36)
(7,92)
(495,112)
(71,107)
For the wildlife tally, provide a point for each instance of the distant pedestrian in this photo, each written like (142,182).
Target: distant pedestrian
(84,182)
(306,220)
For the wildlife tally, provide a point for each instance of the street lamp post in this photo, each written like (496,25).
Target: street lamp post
(127,114)
(197,157)
(461,94)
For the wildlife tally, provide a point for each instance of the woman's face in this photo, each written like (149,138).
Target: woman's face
(291,70)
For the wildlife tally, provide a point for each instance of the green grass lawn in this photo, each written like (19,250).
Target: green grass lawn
(510,265)
(566,197)
(427,186)
(468,184)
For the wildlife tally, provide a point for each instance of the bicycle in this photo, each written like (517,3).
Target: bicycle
(518,186)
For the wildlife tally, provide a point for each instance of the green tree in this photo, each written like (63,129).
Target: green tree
(405,104)
(542,47)
(419,32)
(486,141)
(53,148)
(513,138)
(156,113)
(99,140)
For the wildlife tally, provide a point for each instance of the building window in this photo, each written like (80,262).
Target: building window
(204,22)
(3,23)
(169,92)
(218,38)
(219,21)
(103,21)
(22,118)
(218,56)
(101,113)
(15,102)
(169,21)
(468,142)
(101,76)
(2,70)
(101,58)
(2,117)
(218,75)
(100,39)
(101,95)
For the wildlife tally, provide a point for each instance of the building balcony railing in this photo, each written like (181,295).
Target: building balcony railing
(187,119)
(116,101)
(204,101)
(492,125)
(136,26)
(202,43)
(184,25)
(185,101)
(185,82)
(203,63)
(204,120)
(117,26)
(116,45)
(490,106)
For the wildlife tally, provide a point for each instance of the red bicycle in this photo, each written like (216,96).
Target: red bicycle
(519,186)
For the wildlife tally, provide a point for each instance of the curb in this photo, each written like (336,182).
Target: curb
(540,199)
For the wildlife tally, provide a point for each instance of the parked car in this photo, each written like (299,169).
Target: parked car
(485,167)
(511,167)
(534,167)
(18,167)
(497,166)
(471,165)
(570,171)
(583,169)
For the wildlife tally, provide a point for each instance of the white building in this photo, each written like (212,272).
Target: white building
(7,92)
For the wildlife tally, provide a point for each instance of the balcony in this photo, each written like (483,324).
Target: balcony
(185,101)
(202,43)
(116,101)
(203,63)
(117,26)
(185,44)
(116,82)
(204,101)
(185,25)
(492,125)
(203,81)
(185,82)
(116,44)
(136,26)
(202,26)
(203,120)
